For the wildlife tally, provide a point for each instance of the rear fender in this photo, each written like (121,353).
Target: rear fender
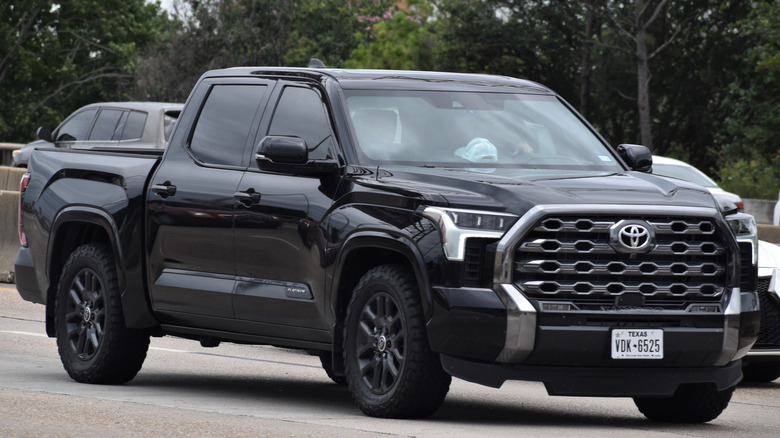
(77,225)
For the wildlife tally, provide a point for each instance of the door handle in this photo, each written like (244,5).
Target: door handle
(248,198)
(165,189)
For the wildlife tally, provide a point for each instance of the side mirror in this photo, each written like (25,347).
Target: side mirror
(282,150)
(44,133)
(290,155)
(637,157)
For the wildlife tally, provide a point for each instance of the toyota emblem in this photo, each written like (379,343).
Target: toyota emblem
(632,236)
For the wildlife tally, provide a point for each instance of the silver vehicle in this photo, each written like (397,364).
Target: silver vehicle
(762,364)
(671,168)
(108,124)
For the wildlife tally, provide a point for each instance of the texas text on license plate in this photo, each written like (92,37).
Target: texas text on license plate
(637,344)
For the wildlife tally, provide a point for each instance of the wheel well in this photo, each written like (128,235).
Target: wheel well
(69,236)
(357,263)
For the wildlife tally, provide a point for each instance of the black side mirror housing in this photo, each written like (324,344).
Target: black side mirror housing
(637,157)
(44,133)
(282,150)
(290,155)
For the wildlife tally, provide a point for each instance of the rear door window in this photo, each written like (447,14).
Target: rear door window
(106,124)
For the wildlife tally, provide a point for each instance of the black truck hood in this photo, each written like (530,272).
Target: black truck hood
(519,192)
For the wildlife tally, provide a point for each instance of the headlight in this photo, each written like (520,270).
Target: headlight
(457,225)
(742,224)
(744,228)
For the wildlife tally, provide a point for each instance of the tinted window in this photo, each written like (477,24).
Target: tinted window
(505,133)
(302,113)
(224,123)
(106,124)
(120,126)
(134,127)
(77,127)
(170,121)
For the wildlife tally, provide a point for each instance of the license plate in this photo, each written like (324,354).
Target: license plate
(637,344)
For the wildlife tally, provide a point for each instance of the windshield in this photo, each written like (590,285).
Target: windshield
(476,131)
(685,173)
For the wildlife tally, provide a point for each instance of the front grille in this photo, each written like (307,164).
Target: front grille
(572,259)
(769,336)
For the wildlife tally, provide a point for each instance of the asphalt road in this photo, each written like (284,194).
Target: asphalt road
(185,390)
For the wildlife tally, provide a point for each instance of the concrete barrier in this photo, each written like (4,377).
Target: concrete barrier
(761,209)
(9,234)
(6,152)
(10,177)
(769,233)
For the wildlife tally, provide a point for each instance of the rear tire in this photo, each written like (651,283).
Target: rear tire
(94,344)
(762,372)
(391,370)
(691,403)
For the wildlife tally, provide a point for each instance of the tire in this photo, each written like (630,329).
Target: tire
(391,370)
(94,344)
(326,358)
(762,372)
(691,403)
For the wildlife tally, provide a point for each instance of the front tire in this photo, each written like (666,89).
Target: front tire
(691,403)
(94,344)
(391,370)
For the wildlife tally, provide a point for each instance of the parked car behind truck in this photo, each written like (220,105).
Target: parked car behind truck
(108,124)
(410,226)
(762,363)
(672,168)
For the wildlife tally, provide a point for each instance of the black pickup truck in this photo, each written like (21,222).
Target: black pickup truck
(408,227)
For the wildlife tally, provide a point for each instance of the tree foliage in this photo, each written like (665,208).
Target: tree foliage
(749,106)
(59,56)
(399,39)
(694,79)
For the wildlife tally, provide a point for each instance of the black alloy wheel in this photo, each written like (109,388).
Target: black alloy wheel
(94,344)
(380,343)
(390,367)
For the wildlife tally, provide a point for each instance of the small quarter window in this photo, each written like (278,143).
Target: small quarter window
(134,127)
(302,113)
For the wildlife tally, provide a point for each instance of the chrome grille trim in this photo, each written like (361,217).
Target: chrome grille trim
(571,291)
(548,239)
(679,269)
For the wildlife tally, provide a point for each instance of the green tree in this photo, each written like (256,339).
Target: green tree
(324,29)
(59,56)
(210,34)
(399,39)
(749,107)
(536,39)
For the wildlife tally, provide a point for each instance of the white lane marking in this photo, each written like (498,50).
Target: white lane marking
(13,332)
(172,350)
(40,335)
